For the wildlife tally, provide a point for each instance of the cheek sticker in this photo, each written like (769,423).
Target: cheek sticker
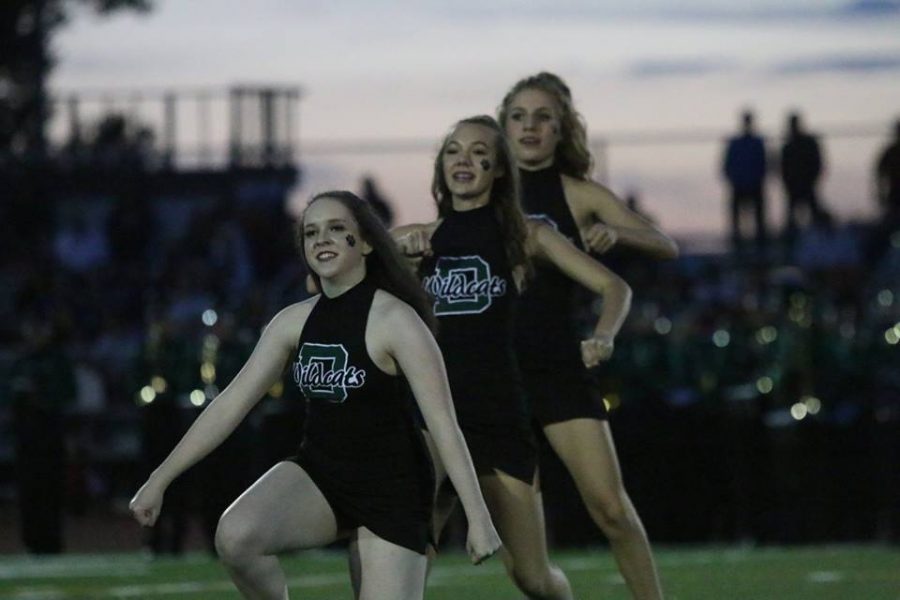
(351,241)
(485,164)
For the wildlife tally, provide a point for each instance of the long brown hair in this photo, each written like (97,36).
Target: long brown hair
(384,265)
(504,193)
(572,157)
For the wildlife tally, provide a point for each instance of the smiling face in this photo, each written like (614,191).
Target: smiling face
(533,126)
(469,164)
(332,243)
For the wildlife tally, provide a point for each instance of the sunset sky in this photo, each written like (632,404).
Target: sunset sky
(387,71)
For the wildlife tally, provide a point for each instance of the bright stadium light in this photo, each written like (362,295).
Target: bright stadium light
(799,411)
(891,336)
(764,385)
(147,395)
(813,404)
(198,398)
(210,317)
(662,325)
(721,338)
(159,384)
(208,372)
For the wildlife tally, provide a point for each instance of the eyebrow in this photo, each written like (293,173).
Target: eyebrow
(538,109)
(475,143)
(328,222)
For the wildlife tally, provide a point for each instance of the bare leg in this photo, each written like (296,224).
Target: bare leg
(586,448)
(355,567)
(515,510)
(389,570)
(283,510)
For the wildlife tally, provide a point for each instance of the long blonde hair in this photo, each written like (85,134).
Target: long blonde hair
(572,155)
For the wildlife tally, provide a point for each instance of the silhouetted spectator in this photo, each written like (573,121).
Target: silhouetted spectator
(801,167)
(382,207)
(744,166)
(887,190)
(131,227)
(42,384)
(887,174)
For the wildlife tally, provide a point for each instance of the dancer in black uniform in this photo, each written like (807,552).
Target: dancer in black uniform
(550,144)
(476,259)
(362,471)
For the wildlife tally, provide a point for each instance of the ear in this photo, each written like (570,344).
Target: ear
(366,248)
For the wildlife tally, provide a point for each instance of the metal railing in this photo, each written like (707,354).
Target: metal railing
(196,128)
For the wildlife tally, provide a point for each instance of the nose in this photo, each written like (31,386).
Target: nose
(321,237)
(464,158)
(529,122)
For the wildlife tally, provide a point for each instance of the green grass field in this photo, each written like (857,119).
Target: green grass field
(818,573)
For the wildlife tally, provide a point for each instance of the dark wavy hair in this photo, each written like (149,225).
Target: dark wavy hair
(573,156)
(385,266)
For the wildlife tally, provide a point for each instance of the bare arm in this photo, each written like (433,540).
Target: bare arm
(413,347)
(548,244)
(414,240)
(614,223)
(261,371)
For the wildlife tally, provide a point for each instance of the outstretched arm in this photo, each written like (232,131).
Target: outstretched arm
(548,244)
(614,223)
(224,413)
(414,239)
(417,354)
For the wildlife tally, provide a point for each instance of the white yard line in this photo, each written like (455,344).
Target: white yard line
(825,576)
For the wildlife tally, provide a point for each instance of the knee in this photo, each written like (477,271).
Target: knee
(536,584)
(234,539)
(613,513)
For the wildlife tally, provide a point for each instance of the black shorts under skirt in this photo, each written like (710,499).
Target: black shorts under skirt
(562,394)
(397,510)
(513,452)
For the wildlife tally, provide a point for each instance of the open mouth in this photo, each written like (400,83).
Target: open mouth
(463,177)
(530,141)
(325,256)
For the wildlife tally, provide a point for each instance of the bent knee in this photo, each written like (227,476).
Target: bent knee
(235,539)
(536,584)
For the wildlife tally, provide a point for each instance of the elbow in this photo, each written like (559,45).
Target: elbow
(621,289)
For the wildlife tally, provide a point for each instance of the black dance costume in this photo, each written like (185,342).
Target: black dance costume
(475,295)
(547,339)
(360,445)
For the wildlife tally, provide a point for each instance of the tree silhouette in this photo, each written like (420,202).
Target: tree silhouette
(26,30)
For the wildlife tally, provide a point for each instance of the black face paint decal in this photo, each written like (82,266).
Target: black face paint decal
(351,241)
(485,164)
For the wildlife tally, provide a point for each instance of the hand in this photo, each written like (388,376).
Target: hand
(596,349)
(600,238)
(482,542)
(147,503)
(415,243)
